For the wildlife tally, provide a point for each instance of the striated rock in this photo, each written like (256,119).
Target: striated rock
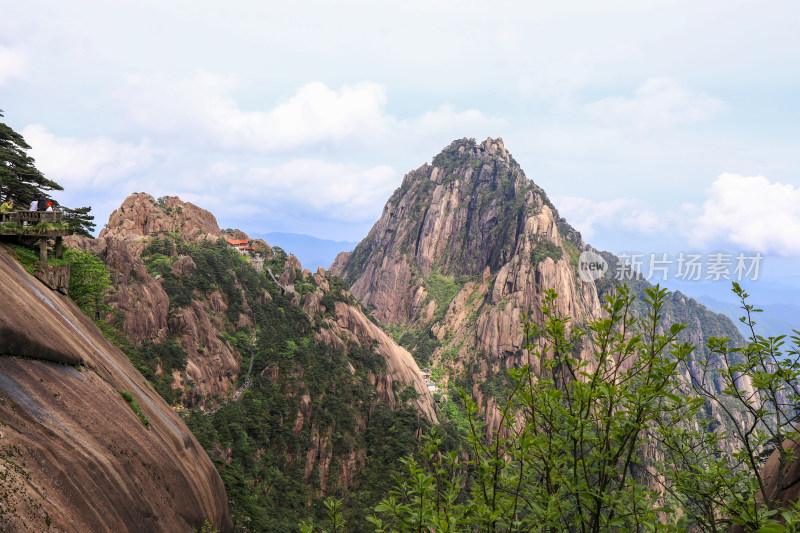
(55,277)
(351,323)
(464,249)
(471,214)
(74,455)
(141,216)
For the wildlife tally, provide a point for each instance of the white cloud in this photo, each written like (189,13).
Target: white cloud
(202,109)
(658,103)
(751,212)
(588,216)
(86,163)
(331,190)
(744,213)
(13,64)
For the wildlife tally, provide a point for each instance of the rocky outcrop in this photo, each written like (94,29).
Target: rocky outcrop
(140,215)
(73,454)
(55,277)
(351,324)
(473,219)
(213,365)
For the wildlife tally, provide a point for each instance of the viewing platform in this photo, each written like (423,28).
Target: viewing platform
(36,226)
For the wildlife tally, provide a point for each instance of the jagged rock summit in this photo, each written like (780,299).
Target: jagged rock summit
(74,456)
(473,219)
(466,247)
(141,215)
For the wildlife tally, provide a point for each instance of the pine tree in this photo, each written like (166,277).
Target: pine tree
(89,283)
(79,220)
(20,180)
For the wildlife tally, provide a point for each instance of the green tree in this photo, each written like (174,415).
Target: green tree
(89,283)
(20,180)
(567,455)
(638,436)
(741,410)
(79,220)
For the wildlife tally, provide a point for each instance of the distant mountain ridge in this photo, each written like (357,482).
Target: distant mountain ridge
(312,251)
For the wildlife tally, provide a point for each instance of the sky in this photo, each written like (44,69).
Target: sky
(665,125)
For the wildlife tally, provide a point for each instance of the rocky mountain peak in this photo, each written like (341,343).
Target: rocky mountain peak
(463,251)
(141,215)
(469,210)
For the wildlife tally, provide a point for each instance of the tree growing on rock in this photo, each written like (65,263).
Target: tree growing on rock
(20,180)
(620,441)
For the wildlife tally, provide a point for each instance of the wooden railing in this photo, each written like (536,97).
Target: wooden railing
(30,217)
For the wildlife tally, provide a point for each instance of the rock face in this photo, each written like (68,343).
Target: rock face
(351,324)
(141,299)
(179,288)
(55,277)
(73,454)
(140,215)
(462,250)
(213,365)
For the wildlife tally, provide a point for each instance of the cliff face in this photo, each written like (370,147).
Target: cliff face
(350,324)
(140,297)
(218,332)
(213,364)
(73,454)
(463,248)
(471,212)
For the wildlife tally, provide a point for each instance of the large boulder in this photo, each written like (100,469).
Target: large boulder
(74,454)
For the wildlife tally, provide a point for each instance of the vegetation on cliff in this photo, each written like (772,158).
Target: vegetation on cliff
(463,249)
(574,447)
(300,412)
(306,419)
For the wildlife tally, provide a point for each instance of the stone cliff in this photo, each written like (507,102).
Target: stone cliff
(217,330)
(140,297)
(73,454)
(464,249)
(213,364)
